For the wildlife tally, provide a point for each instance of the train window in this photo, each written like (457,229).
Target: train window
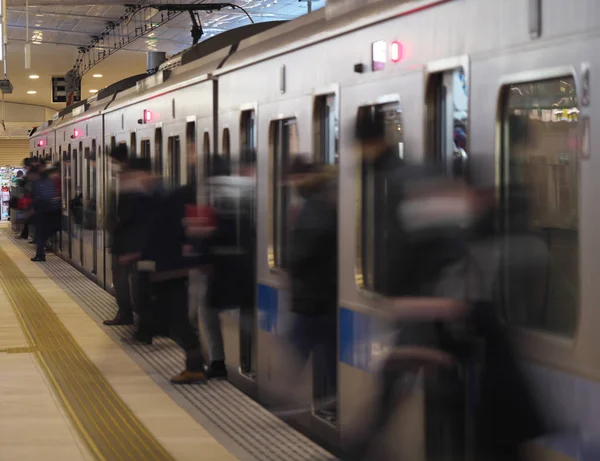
(247,130)
(145,149)
(173,161)
(326,129)
(206,153)
(88,186)
(375,272)
(540,198)
(284,143)
(158,166)
(133,145)
(226,144)
(113,143)
(190,148)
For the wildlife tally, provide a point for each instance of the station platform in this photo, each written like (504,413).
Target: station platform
(71,390)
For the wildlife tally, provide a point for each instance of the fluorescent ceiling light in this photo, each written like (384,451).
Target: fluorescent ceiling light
(32,92)
(93,91)
(34,76)
(97,75)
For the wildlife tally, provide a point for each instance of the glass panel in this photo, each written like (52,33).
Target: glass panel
(285,143)
(248,134)
(190,140)
(158,165)
(173,164)
(375,255)
(541,184)
(326,129)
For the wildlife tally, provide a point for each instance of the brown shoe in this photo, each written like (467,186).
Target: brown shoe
(189,377)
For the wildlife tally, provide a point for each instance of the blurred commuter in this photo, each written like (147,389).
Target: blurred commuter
(27,185)
(229,249)
(163,248)
(121,225)
(47,208)
(313,271)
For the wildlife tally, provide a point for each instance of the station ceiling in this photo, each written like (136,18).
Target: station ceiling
(58,28)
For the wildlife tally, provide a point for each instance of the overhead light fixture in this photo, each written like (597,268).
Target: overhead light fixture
(34,76)
(32,92)
(93,91)
(97,75)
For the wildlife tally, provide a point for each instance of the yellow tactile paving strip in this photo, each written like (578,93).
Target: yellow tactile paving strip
(104,421)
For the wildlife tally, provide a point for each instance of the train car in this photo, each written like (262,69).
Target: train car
(450,76)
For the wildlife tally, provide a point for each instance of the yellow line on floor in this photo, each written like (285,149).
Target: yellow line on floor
(104,421)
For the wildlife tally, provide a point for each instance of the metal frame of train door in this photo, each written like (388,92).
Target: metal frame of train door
(466,373)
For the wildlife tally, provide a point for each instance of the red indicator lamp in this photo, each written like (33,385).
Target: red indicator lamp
(76,133)
(147,116)
(395,51)
(41,143)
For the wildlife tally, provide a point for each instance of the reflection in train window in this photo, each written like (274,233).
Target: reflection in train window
(158,164)
(173,161)
(247,131)
(133,145)
(226,144)
(284,143)
(375,258)
(190,149)
(145,149)
(326,129)
(88,182)
(540,195)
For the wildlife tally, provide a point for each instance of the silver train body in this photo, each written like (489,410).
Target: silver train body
(297,88)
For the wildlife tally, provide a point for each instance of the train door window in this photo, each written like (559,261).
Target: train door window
(284,143)
(145,149)
(375,265)
(158,151)
(540,194)
(88,177)
(173,162)
(191,152)
(326,129)
(447,121)
(133,145)
(206,153)
(247,130)
(113,143)
(226,144)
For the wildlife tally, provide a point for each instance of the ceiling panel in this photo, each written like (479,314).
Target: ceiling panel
(58,28)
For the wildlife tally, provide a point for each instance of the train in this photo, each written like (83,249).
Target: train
(436,68)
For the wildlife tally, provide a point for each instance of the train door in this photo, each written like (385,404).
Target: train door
(326,151)
(448,120)
(94,206)
(87,237)
(111,190)
(76,228)
(67,195)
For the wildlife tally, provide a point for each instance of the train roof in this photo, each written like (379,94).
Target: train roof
(239,47)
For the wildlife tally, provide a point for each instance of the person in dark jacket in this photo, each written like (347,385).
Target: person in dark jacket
(169,277)
(313,271)
(47,206)
(126,227)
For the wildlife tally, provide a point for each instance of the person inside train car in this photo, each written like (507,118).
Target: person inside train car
(428,221)
(121,228)
(230,249)
(312,264)
(164,247)
(47,206)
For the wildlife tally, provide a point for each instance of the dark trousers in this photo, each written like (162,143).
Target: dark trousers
(46,224)
(123,278)
(317,335)
(25,231)
(171,307)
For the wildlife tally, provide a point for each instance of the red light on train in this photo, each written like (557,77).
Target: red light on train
(147,116)
(395,51)
(76,133)
(41,143)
